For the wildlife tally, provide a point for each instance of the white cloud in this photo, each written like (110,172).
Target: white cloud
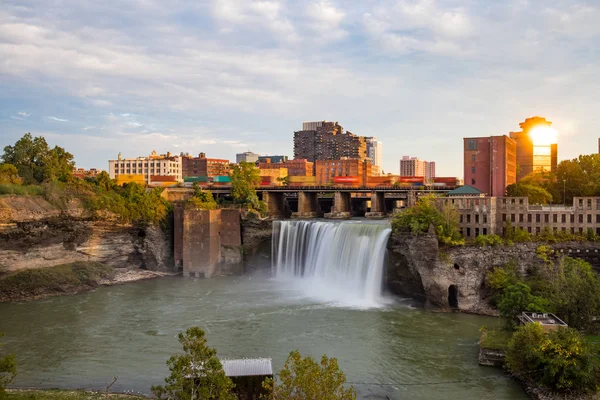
(24,114)
(58,119)
(326,20)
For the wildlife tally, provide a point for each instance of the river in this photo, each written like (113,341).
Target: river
(129,331)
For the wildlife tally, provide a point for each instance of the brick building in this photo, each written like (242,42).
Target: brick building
(82,173)
(536,152)
(145,168)
(490,163)
(293,167)
(323,140)
(491,215)
(326,170)
(202,166)
(412,166)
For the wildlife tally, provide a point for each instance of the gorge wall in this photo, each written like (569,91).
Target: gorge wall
(36,234)
(454,277)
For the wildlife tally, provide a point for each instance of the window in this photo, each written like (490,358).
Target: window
(529,229)
(476,231)
(485,231)
(546,218)
(476,218)
(598,218)
(471,144)
(472,181)
(554,218)
(512,217)
(581,203)
(485,218)
(572,218)
(538,218)
(529,218)
(468,232)
(589,218)
(472,170)
(521,201)
(589,204)
(468,218)
(563,218)
(581,218)
(503,217)
(521,219)
(473,157)
(460,219)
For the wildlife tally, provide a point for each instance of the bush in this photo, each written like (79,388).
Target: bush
(202,199)
(560,360)
(8,371)
(488,240)
(18,190)
(499,278)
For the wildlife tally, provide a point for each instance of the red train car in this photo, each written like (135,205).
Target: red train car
(412,179)
(347,181)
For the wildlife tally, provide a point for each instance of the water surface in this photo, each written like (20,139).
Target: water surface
(129,331)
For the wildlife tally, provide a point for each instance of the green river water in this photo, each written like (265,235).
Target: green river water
(396,351)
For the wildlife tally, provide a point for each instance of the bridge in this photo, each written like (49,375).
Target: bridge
(336,202)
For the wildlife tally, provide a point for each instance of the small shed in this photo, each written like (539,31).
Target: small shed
(248,375)
(548,321)
(466,190)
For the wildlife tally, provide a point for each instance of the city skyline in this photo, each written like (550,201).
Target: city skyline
(225,77)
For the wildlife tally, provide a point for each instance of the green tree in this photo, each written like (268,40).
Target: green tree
(560,360)
(535,194)
(104,182)
(304,378)
(8,370)
(518,298)
(197,374)
(202,199)
(10,174)
(244,179)
(36,162)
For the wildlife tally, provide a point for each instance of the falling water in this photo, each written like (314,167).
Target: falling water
(339,262)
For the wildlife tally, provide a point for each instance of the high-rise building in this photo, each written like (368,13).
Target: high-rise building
(375,154)
(412,166)
(490,163)
(247,156)
(202,166)
(326,170)
(146,169)
(323,140)
(537,150)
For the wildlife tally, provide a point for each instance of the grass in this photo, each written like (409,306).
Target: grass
(61,278)
(495,339)
(21,190)
(56,394)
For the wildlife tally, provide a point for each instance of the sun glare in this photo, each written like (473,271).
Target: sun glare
(543,136)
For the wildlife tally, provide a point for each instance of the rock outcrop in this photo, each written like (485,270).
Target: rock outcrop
(256,242)
(36,234)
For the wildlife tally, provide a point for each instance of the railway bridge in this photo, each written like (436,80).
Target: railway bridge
(336,202)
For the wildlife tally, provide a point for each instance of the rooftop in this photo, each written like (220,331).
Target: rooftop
(542,318)
(248,367)
(465,190)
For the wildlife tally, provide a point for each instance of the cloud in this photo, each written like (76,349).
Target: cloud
(326,20)
(58,119)
(24,114)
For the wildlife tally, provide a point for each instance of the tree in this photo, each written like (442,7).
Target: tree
(8,370)
(36,162)
(9,174)
(197,374)
(304,378)
(561,360)
(104,182)
(535,194)
(202,199)
(518,298)
(244,179)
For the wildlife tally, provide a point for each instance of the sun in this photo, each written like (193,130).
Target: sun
(543,136)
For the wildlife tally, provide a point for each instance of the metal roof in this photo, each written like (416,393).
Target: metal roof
(247,367)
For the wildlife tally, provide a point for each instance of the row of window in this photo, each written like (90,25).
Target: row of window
(581,218)
(473,232)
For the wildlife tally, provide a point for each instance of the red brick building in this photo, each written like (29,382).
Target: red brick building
(329,169)
(490,163)
(202,166)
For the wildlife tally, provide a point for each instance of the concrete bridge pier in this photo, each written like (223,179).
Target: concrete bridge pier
(377,205)
(275,203)
(341,206)
(308,205)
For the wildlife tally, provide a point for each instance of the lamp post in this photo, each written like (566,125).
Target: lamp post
(564,192)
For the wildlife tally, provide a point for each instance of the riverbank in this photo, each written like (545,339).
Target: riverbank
(60,394)
(66,279)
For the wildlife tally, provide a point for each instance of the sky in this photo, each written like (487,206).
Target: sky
(227,76)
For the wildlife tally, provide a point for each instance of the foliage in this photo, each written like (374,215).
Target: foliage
(8,370)
(494,339)
(499,278)
(518,298)
(244,178)
(9,175)
(197,374)
(21,190)
(59,278)
(488,240)
(573,289)
(304,378)
(535,194)
(560,360)
(59,394)
(36,162)
(425,213)
(285,181)
(202,199)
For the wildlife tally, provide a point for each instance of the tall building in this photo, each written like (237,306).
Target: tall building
(146,168)
(247,156)
(537,150)
(272,159)
(412,166)
(326,170)
(300,167)
(490,163)
(323,140)
(202,166)
(375,154)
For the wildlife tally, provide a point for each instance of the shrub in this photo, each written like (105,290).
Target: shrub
(18,190)
(488,240)
(8,370)
(560,360)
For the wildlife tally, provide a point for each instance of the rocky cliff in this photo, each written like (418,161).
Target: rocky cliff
(256,242)
(36,234)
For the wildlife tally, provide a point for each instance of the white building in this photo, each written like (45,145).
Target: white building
(149,166)
(248,156)
(375,154)
(412,166)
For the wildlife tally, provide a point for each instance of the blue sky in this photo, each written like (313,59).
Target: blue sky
(227,76)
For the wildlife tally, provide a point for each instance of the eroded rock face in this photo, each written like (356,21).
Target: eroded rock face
(34,234)
(449,278)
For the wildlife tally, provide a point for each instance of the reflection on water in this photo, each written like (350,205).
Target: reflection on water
(129,331)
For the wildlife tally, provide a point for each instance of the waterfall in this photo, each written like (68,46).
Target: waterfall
(334,261)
